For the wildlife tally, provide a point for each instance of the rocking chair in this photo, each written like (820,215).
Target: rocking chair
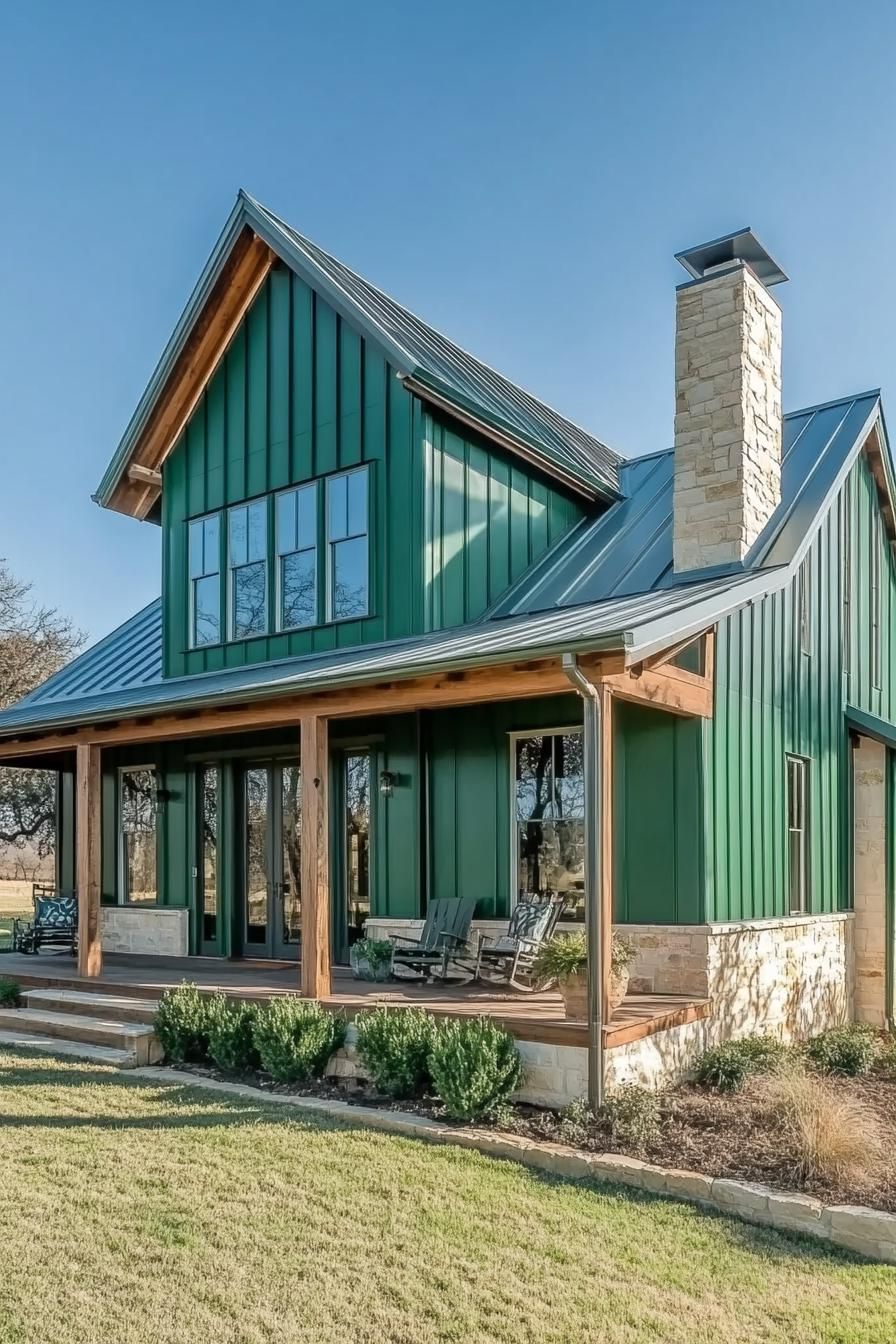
(510,959)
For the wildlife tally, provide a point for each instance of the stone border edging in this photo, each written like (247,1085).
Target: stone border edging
(852,1227)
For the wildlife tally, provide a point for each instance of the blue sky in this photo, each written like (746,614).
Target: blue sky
(518,173)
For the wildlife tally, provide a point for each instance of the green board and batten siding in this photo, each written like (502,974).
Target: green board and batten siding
(485,522)
(300,394)
(774,699)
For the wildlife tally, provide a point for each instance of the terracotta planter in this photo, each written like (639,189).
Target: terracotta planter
(574,991)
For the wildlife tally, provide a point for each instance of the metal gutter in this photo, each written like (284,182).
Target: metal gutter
(594,874)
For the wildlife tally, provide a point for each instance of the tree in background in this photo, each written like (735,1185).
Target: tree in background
(35,642)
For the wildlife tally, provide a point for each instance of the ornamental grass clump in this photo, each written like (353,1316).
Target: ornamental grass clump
(295,1038)
(231,1043)
(850,1050)
(475,1067)
(182,1023)
(727,1067)
(826,1134)
(394,1048)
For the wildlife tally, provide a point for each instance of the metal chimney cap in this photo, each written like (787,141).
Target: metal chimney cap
(742,246)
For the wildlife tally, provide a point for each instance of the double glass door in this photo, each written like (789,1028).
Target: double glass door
(272,894)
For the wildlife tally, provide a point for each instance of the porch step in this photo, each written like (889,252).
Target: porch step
(109,1007)
(135,1039)
(94,1054)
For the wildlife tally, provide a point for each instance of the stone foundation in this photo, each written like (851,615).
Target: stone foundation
(153,930)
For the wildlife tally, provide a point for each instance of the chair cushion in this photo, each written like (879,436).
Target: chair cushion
(57,912)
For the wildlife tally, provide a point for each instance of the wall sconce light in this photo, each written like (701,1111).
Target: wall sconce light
(387,783)
(160,798)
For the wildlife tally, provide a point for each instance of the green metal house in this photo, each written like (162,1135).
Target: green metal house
(421,636)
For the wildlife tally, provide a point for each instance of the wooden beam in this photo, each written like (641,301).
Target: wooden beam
(652,686)
(606,843)
(491,684)
(242,277)
(315,858)
(87,854)
(145,475)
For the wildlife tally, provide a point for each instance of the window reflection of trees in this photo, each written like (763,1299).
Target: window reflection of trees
(138,833)
(209,853)
(357,835)
(249,601)
(291,794)
(550,810)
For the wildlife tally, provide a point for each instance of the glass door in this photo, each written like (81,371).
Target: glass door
(352,904)
(258,880)
(272,904)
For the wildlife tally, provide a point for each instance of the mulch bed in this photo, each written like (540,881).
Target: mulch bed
(719,1134)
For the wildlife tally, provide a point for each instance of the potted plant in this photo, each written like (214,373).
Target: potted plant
(371,959)
(564,959)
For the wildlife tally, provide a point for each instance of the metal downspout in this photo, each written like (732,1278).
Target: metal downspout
(594,932)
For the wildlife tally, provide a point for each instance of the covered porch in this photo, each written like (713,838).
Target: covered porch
(419,800)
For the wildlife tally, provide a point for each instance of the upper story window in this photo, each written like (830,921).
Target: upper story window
(347,545)
(846,571)
(805,606)
(205,580)
(247,556)
(296,521)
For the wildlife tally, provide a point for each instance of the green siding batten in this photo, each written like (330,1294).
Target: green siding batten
(485,523)
(773,699)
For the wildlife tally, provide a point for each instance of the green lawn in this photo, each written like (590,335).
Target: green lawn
(133,1212)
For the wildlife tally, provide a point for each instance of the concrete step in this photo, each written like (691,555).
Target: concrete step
(109,1007)
(53,1045)
(133,1037)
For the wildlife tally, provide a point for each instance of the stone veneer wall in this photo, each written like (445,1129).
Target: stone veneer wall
(727,480)
(793,977)
(870,880)
(152,930)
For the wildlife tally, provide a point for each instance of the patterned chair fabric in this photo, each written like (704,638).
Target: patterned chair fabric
(56,912)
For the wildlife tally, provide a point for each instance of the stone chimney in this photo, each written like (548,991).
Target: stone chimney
(727,474)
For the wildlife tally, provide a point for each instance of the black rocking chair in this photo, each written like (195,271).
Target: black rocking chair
(54,923)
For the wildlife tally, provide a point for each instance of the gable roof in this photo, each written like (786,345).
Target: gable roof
(431,366)
(607,585)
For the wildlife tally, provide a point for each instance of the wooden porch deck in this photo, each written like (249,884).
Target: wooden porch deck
(531,1017)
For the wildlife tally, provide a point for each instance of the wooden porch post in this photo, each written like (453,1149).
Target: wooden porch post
(315,862)
(87,857)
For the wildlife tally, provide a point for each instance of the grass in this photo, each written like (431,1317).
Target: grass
(132,1212)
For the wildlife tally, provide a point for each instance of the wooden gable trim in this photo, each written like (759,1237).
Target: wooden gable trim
(874,454)
(659,683)
(245,272)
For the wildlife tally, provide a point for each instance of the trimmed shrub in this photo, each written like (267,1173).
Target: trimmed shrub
(10,993)
(726,1067)
(394,1048)
(230,1041)
(886,1057)
(577,1121)
(850,1050)
(295,1038)
(181,1023)
(826,1134)
(633,1115)
(475,1066)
